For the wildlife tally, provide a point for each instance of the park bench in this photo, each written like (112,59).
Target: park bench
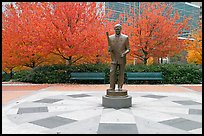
(145,76)
(87,76)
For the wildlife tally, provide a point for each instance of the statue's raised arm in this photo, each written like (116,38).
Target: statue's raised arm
(107,34)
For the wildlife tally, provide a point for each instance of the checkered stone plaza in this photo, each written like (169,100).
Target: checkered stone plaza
(52,111)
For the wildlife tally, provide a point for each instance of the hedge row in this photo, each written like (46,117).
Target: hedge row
(173,73)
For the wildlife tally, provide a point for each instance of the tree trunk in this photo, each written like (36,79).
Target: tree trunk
(158,60)
(145,60)
(11,74)
(97,59)
(145,55)
(69,61)
(161,60)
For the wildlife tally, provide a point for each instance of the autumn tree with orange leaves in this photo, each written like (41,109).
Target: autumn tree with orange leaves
(23,29)
(72,29)
(36,31)
(154,32)
(10,36)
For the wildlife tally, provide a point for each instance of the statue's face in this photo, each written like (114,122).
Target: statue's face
(117,30)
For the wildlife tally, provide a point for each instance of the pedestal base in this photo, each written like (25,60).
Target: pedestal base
(122,92)
(117,101)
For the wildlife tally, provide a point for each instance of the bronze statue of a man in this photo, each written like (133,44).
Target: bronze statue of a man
(118,47)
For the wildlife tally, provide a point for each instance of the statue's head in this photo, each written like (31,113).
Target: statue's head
(117,28)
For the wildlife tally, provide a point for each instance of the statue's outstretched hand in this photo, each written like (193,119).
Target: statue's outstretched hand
(122,55)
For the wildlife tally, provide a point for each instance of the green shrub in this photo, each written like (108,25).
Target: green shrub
(58,73)
(173,73)
(50,74)
(5,77)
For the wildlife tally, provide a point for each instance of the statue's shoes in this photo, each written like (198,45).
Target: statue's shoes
(120,89)
(110,89)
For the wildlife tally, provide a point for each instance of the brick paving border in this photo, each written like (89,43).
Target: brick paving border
(15,90)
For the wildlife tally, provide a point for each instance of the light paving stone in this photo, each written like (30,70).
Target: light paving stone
(152,115)
(31,104)
(150,127)
(12,111)
(87,126)
(188,102)
(182,123)
(139,100)
(188,95)
(76,92)
(154,96)
(64,108)
(167,109)
(175,98)
(8,126)
(61,96)
(199,107)
(192,96)
(137,94)
(117,116)
(126,110)
(97,93)
(40,95)
(193,117)
(23,118)
(108,110)
(96,100)
(160,103)
(28,128)
(75,102)
(82,114)
(196,131)
(52,122)
(198,100)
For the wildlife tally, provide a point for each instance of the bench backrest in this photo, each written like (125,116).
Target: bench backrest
(144,74)
(87,74)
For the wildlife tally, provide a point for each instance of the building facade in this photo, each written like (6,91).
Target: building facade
(184,8)
(188,9)
(200,5)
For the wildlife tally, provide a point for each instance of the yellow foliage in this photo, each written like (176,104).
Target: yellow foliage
(150,61)
(53,59)
(194,57)
(19,68)
(194,48)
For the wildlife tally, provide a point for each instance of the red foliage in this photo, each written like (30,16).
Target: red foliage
(154,33)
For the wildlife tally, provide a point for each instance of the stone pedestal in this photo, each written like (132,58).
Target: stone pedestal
(117,99)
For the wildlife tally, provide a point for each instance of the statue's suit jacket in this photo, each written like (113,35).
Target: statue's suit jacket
(117,46)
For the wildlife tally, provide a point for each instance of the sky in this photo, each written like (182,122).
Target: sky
(4,3)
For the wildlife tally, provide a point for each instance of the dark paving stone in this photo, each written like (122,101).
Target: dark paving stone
(154,96)
(32,110)
(52,122)
(111,128)
(195,111)
(189,102)
(79,95)
(47,100)
(182,123)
